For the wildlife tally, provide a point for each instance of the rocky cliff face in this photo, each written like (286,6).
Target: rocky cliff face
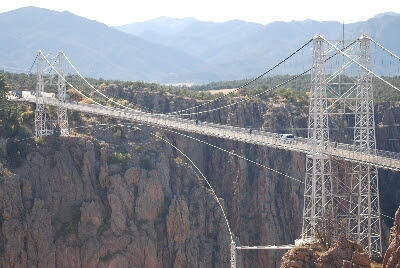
(392,255)
(68,208)
(70,205)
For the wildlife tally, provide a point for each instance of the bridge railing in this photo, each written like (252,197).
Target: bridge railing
(354,148)
(337,149)
(346,151)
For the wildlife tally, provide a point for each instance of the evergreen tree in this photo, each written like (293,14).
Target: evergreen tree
(3,92)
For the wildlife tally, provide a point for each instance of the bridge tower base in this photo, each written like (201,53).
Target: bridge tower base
(233,254)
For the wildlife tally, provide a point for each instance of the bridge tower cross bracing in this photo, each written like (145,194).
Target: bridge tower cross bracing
(318,178)
(40,112)
(364,213)
(62,116)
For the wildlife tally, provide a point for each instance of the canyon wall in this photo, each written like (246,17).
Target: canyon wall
(70,204)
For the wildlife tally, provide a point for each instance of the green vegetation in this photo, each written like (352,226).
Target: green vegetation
(179,161)
(15,127)
(384,93)
(119,158)
(299,84)
(4,171)
(146,163)
(292,91)
(17,121)
(118,132)
(3,91)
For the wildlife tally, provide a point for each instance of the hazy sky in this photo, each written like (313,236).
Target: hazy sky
(118,12)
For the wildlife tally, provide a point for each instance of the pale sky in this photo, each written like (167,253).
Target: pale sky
(118,12)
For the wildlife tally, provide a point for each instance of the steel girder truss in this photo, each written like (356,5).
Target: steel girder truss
(352,199)
(42,120)
(364,212)
(41,117)
(62,116)
(318,184)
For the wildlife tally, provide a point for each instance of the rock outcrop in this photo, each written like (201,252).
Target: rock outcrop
(344,253)
(69,206)
(56,213)
(392,255)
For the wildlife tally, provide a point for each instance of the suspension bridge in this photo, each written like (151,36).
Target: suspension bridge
(376,158)
(353,198)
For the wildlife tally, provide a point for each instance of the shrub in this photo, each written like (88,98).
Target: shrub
(179,161)
(146,163)
(18,146)
(118,132)
(27,117)
(329,229)
(4,171)
(118,157)
(39,140)
(74,96)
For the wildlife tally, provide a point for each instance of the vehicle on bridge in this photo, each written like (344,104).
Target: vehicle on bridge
(15,93)
(286,137)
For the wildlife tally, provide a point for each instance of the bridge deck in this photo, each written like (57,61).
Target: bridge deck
(377,158)
(272,247)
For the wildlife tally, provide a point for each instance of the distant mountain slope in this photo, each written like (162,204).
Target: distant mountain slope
(96,49)
(172,50)
(238,49)
(199,38)
(161,25)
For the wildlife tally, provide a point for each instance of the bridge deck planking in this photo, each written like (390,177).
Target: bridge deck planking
(380,159)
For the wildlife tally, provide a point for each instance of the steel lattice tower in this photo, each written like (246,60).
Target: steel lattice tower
(62,116)
(364,214)
(40,113)
(318,184)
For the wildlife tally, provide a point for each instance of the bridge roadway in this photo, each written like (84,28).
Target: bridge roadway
(283,247)
(378,158)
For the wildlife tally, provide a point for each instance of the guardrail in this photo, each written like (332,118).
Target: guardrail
(378,158)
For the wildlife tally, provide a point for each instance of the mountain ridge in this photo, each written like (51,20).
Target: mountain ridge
(229,44)
(95,48)
(170,50)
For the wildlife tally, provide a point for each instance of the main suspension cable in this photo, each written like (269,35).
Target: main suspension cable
(273,88)
(247,83)
(170,114)
(200,105)
(384,48)
(231,153)
(204,177)
(95,89)
(270,89)
(201,141)
(360,65)
(234,103)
